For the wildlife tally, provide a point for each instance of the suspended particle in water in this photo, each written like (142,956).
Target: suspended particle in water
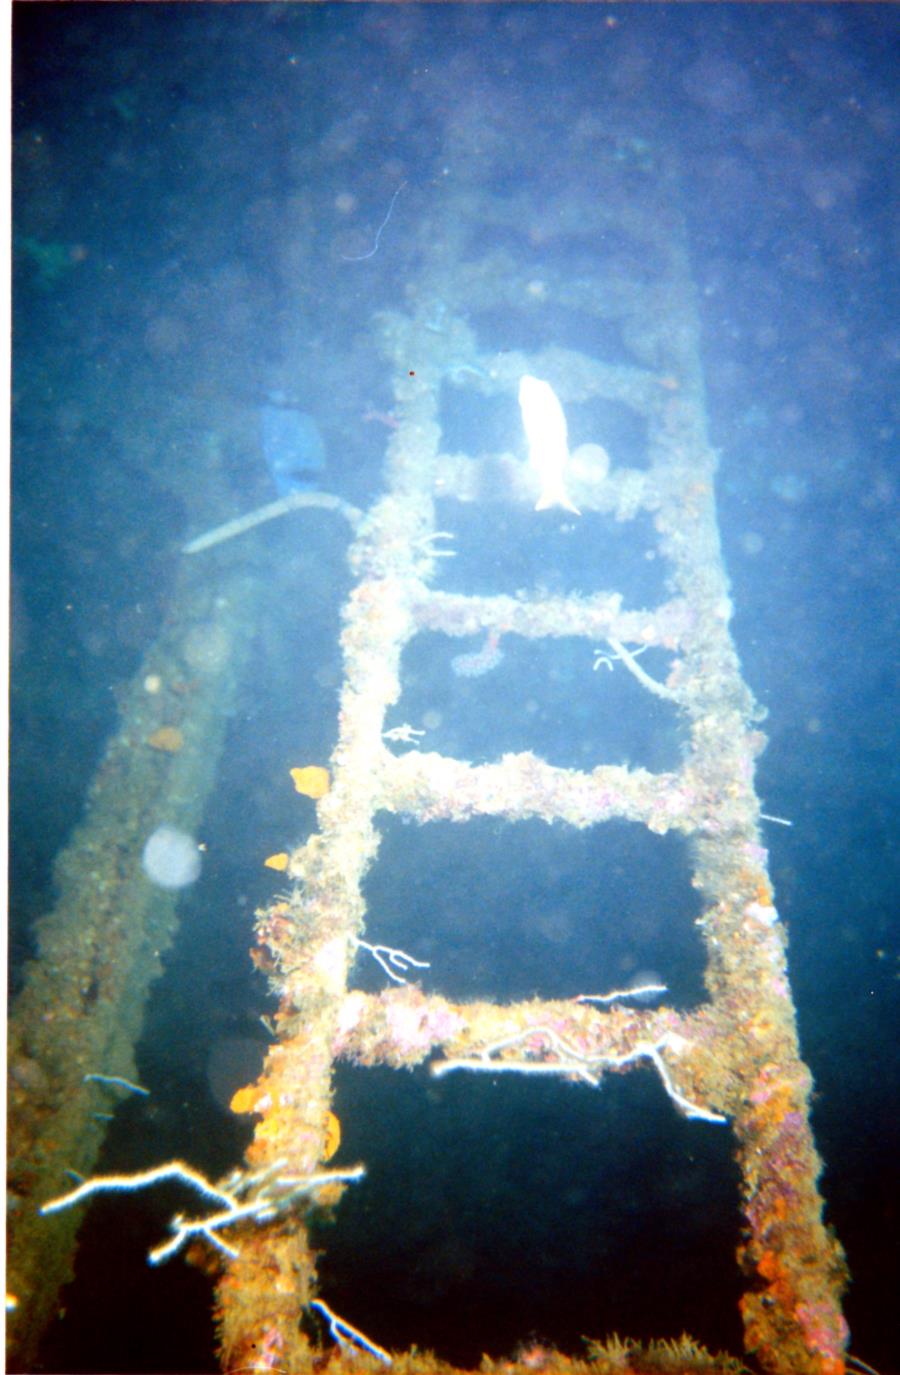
(171,858)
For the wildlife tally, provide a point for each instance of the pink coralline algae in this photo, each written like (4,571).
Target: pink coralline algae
(824,1328)
(415,1027)
(350,1015)
(767,1084)
(766,1210)
(482,661)
(790,1140)
(269,1357)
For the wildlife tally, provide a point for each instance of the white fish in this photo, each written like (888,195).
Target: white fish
(548,441)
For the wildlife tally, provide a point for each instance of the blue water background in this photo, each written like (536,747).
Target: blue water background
(192,186)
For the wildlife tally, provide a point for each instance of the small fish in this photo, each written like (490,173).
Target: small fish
(548,442)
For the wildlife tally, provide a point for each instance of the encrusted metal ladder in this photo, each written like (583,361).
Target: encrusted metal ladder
(735,1058)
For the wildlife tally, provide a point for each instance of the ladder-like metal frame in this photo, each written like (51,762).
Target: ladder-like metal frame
(736,1056)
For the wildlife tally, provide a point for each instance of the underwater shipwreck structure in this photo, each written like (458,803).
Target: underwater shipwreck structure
(733,1062)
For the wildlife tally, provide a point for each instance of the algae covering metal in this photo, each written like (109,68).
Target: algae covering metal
(81,1007)
(735,1059)
(731,1064)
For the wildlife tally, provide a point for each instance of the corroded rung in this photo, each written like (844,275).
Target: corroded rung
(595,617)
(572,1038)
(575,375)
(621,492)
(432,787)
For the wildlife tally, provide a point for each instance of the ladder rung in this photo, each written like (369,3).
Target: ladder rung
(596,617)
(435,787)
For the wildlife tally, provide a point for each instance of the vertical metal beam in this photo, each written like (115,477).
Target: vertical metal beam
(791,1311)
(81,1006)
(310,937)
